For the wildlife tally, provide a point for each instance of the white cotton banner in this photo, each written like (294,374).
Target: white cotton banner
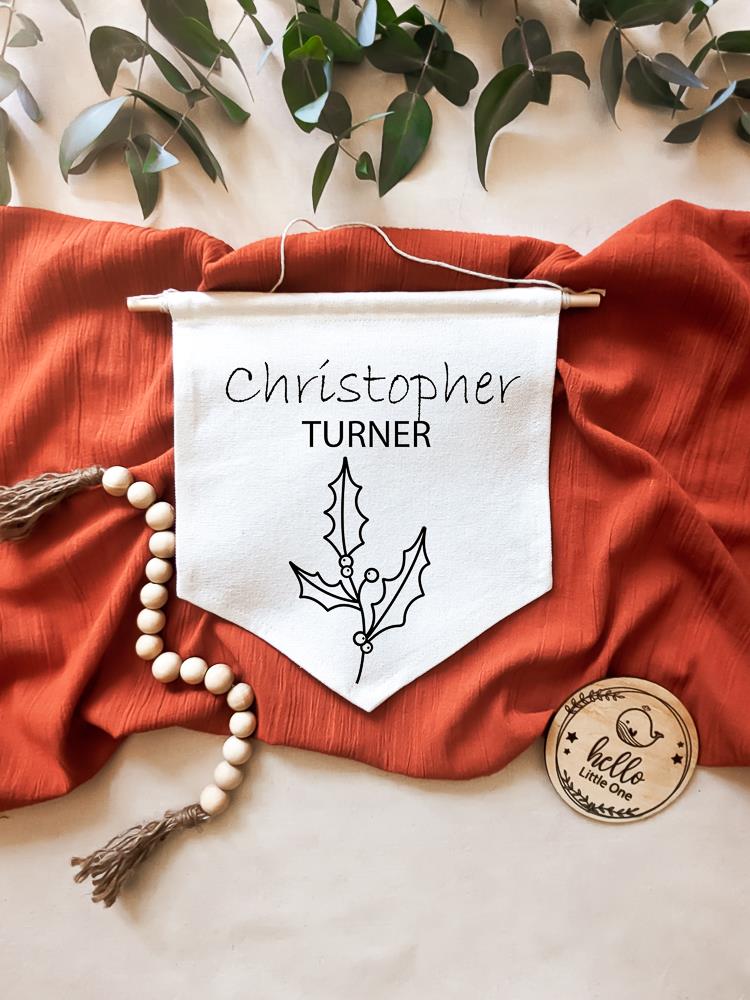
(362,480)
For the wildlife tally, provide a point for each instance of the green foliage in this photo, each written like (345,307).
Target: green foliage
(325,42)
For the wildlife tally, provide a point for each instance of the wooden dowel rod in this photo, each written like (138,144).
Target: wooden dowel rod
(570,300)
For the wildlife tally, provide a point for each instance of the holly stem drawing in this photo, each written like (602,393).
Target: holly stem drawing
(382,602)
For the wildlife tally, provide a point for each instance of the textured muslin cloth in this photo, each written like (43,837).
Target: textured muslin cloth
(649,488)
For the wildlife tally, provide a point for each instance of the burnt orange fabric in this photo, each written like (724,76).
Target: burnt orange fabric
(650,496)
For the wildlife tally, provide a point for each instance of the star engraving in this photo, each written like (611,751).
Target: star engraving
(677,759)
(680,744)
(566,750)
(571,737)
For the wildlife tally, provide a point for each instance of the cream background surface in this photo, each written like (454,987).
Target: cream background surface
(328,880)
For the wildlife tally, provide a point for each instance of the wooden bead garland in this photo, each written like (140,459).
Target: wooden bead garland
(109,866)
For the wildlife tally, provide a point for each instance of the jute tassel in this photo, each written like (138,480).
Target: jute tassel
(111,866)
(22,505)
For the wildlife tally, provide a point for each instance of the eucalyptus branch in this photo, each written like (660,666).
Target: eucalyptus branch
(11,11)
(209,73)
(140,71)
(722,62)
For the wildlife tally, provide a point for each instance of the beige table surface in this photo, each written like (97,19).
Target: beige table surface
(330,880)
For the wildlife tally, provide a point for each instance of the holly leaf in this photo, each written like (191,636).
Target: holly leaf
(313,587)
(347,520)
(400,591)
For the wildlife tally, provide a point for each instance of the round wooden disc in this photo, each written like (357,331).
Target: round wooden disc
(621,749)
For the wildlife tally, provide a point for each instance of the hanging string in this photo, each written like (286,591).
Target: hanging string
(446,265)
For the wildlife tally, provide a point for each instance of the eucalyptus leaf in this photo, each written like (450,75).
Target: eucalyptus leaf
(734,41)
(343,47)
(311,48)
(689,131)
(673,70)
(29,24)
(611,71)
(501,101)
(742,88)
(6,190)
(110,47)
(303,82)
(310,113)
(262,33)
(24,38)
(654,12)
(188,132)
(406,132)
(157,158)
(146,185)
(28,101)
(696,62)
(412,15)
(85,129)
(9,77)
(364,168)
(700,10)
(438,25)
(203,39)
(113,136)
(647,88)
(323,172)
(73,10)
(172,19)
(336,116)
(539,45)
(234,112)
(371,118)
(367,22)
(453,75)
(743,126)
(395,52)
(564,64)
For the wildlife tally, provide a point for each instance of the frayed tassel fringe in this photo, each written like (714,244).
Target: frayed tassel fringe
(22,505)
(112,865)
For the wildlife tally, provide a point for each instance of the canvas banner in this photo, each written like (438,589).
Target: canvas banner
(362,479)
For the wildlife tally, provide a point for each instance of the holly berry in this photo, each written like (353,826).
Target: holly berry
(359,638)
(346,571)
(371,575)
(366,647)
(345,561)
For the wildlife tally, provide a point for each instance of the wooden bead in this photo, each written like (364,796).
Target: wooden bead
(148,647)
(193,670)
(213,800)
(236,751)
(141,495)
(159,570)
(161,544)
(150,621)
(219,678)
(242,724)
(154,596)
(166,667)
(160,516)
(240,697)
(116,480)
(227,776)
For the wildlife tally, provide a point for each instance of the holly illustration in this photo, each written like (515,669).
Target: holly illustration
(396,593)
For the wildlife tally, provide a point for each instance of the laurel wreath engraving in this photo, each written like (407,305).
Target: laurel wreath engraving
(394,595)
(594,808)
(596,694)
